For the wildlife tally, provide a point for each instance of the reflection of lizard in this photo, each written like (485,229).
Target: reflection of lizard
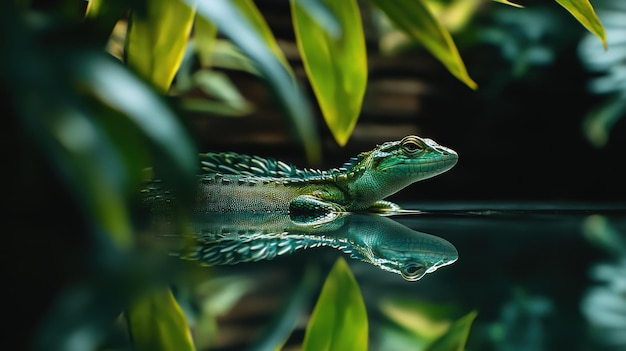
(233,182)
(236,237)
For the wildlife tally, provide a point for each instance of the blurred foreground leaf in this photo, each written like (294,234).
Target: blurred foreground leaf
(426,321)
(599,122)
(205,38)
(227,55)
(157,323)
(508,3)
(602,233)
(157,40)
(118,89)
(252,13)
(216,84)
(430,325)
(106,13)
(336,67)
(215,297)
(414,18)
(232,23)
(456,337)
(339,319)
(585,14)
(98,123)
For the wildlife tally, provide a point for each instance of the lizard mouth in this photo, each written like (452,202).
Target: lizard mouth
(434,166)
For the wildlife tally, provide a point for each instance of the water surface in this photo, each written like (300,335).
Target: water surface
(530,270)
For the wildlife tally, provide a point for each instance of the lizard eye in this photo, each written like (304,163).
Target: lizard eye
(413,271)
(412,146)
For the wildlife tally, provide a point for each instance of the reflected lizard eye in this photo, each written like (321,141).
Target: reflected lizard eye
(413,271)
(412,146)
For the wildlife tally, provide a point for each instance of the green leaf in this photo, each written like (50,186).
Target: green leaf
(339,319)
(599,122)
(427,321)
(414,18)
(252,13)
(157,323)
(105,13)
(509,3)
(456,337)
(84,155)
(117,88)
(205,38)
(236,26)
(584,13)
(157,40)
(323,15)
(228,56)
(336,67)
(218,86)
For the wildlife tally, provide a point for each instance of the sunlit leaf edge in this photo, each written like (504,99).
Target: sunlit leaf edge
(583,11)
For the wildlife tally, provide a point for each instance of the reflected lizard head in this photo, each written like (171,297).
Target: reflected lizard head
(413,261)
(396,248)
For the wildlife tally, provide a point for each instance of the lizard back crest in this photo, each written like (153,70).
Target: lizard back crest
(231,163)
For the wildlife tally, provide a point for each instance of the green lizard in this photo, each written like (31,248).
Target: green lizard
(233,182)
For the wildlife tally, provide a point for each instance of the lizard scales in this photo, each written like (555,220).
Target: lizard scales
(242,183)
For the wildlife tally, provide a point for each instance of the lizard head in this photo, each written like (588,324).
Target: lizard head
(394,165)
(412,157)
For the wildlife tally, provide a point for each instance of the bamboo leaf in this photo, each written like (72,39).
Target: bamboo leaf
(585,14)
(339,319)
(336,67)
(232,23)
(414,18)
(157,323)
(157,40)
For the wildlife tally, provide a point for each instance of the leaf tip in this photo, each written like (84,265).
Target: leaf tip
(510,3)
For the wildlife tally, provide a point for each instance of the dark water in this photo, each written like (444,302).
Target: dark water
(542,276)
(528,269)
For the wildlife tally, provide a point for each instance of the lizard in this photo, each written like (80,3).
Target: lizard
(232,182)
